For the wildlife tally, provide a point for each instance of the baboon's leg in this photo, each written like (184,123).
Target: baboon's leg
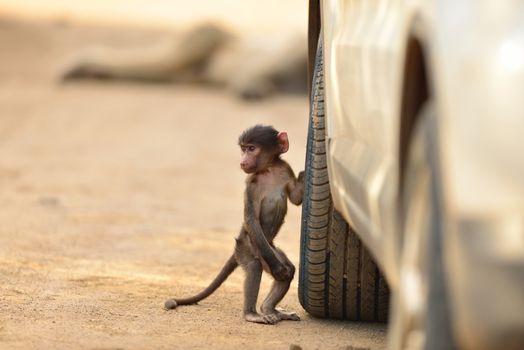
(278,291)
(251,289)
(253,270)
(147,64)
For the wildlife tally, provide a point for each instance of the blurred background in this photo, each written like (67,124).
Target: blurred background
(249,15)
(62,130)
(120,189)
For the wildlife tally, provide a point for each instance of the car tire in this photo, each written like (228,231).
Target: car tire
(337,275)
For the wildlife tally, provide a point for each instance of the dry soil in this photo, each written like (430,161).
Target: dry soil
(117,196)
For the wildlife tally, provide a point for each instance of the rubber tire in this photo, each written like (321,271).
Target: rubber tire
(337,275)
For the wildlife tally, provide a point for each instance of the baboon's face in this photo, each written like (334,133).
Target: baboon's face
(253,158)
(260,147)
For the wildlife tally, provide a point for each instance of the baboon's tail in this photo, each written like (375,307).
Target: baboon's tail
(229,267)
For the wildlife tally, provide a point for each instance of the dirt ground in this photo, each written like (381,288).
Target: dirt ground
(117,196)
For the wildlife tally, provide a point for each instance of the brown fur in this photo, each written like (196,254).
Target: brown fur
(269,184)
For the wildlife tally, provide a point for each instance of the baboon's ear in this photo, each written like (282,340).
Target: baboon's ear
(283,142)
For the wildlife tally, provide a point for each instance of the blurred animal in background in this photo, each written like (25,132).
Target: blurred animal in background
(251,67)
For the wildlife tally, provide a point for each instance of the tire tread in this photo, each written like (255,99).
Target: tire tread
(338,277)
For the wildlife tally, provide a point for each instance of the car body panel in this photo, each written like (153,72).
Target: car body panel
(475,59)
(363,42)
(479,67)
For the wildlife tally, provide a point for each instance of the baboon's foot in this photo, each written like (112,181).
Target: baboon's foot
(281,314)
(287,316)
(264,319)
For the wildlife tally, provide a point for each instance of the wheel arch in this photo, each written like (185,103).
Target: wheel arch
(419,91)
(416,91)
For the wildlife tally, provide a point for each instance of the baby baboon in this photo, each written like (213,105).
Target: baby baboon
(251,67)
(269,184)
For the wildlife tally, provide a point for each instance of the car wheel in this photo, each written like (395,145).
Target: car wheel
(337,277)
(420,314)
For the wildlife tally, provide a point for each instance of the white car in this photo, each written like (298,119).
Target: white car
(415,161)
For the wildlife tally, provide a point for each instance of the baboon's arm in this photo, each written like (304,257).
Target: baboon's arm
(296,189)
(254,229)
(258,238)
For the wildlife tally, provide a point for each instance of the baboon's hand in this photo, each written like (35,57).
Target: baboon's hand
(281,272)
(301,177)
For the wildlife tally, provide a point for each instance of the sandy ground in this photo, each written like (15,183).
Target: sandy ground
(115,197)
